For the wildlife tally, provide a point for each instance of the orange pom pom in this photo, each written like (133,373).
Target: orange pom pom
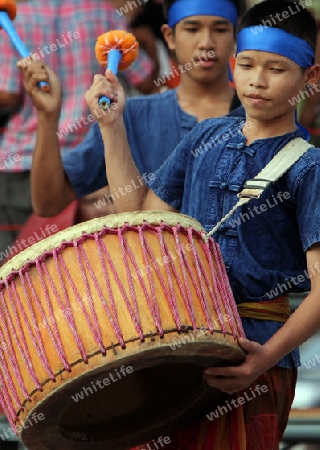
(120,40)
(9,7)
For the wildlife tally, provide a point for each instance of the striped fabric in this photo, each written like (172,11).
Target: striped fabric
(255,423)
(277,310)
(63,34)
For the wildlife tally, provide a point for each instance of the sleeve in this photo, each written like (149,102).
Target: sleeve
(169,180)
(11,78)
(85,164)
(308,206)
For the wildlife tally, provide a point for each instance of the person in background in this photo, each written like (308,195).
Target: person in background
(63,35)
(203,41)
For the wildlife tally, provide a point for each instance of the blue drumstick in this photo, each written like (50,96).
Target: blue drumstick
(114,58)
(6,24)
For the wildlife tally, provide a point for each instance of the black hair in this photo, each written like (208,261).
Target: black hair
(300,21)
(240,5)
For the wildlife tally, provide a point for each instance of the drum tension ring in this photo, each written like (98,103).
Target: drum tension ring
(152,336)
(185,329)
(114,349)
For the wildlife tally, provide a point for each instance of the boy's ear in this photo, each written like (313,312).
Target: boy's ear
(312,74)
(168,36)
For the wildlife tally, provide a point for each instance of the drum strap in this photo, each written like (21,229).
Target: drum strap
(277,310)
(277,167)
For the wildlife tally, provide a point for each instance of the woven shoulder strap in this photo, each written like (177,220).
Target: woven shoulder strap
(277,167)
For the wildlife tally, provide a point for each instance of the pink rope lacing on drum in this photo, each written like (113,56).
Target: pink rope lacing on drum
(58,345)
(7,375)
(141,281)
(114,320)
(68,315)
(231,304)
(135,317)
(188,297)
(200,271)
(26,354)
(216,285)
(96,285)
(223,281)
(95,328)
(37,340)
(14,361)
(116,276)
(43,315)
(153,306)
(4,396)
(91,303)
(170,296)
(178,280)
(78,298)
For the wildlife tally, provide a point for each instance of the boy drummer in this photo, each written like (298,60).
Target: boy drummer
(269,253)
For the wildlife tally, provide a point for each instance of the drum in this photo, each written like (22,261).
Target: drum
(106,328)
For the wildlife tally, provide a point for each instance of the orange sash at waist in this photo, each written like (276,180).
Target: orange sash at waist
(277,310)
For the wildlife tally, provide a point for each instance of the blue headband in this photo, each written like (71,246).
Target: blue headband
(275,40)
(186,8)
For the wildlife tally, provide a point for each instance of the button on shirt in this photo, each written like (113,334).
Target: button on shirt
(263,244)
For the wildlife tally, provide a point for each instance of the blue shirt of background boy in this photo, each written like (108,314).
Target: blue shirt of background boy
(155,125)
(85,165)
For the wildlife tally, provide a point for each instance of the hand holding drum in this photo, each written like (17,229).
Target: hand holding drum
(115,50)
(8,12)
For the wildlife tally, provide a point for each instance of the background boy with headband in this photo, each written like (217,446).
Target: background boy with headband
(276,244)
(202,34)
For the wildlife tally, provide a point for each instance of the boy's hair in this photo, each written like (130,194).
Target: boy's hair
(240,5)
(300,22)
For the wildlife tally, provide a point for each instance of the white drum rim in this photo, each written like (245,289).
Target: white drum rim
(95,225)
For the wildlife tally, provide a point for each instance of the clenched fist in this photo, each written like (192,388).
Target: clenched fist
(47,102)
(110,87)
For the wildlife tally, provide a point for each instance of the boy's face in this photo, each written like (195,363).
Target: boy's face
(266,83)
(203,46)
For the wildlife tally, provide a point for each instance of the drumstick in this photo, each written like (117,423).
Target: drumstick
(115,50)
(8,12)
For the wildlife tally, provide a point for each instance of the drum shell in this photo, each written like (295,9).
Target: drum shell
(57,308)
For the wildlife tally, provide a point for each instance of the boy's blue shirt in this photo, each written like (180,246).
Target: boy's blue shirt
(264,243)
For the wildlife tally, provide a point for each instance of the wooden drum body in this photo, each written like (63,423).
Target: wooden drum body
(106,328)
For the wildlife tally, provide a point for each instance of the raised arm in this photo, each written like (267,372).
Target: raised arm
(120,167)
(50,188)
